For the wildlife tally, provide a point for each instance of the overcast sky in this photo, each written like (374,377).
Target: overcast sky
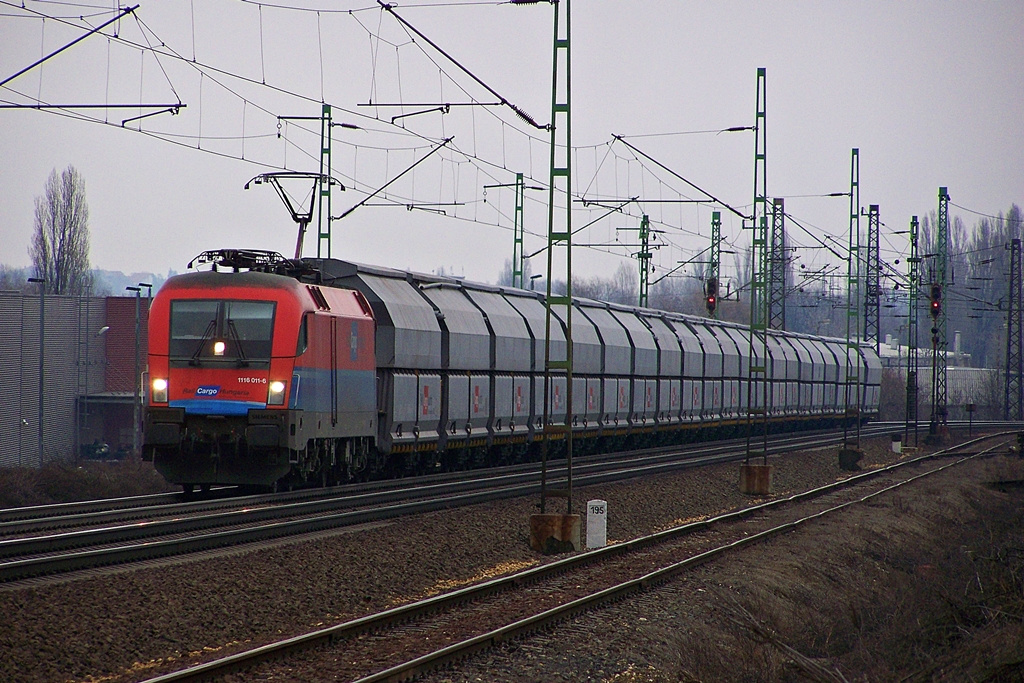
(932,93)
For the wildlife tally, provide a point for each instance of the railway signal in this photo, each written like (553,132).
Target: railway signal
(711,292)
(936,300)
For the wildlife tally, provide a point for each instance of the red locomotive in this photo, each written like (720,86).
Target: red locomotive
(254,372)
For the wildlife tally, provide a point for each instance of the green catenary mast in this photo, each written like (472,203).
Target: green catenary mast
(323,245)
(852,371)
(777,267)
(560,240)
(912,309)
(711,283)
(758,390)
(939,411)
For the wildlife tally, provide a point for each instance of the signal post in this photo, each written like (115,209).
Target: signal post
(937,428)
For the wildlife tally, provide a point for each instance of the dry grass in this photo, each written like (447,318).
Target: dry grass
(930,588)
(62,482)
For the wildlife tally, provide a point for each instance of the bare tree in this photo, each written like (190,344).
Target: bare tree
(505,276)
(620,288)
(625,285)
(13,279)
(60,242)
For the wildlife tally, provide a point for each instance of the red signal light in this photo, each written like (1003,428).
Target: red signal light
(711,290)
(936,300)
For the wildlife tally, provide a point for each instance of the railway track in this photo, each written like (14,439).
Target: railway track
(122,533)
(394,645)
(23,520)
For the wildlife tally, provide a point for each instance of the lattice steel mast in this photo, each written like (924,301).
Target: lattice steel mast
(872,281)
(1014,399)
(912,318)
(777,267)
(711,283)
(518,229)
(518,259)
(758,390)
(852,377)
(644,256)
(323,226)
(559,238)
(939,409)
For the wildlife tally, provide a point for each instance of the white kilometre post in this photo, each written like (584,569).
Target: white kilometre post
(597,524)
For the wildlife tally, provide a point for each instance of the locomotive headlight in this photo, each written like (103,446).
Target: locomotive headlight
(275,393)
(159,390)
(218,348)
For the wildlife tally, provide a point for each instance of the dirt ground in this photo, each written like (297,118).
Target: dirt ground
(924,584)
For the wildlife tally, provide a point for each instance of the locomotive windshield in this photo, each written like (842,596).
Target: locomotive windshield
(212,330)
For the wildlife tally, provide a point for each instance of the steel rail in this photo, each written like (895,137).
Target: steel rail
(322,515)
(32,512)
(57,511)
(405,613)
(104,511)
(59,515)
(461,650)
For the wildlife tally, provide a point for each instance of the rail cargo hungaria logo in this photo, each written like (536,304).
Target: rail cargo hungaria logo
(208,391)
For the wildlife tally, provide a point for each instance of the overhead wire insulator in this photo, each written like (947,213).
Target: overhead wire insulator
(525,117)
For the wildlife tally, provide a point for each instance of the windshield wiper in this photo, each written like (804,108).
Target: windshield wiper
(202,342)
(243,362)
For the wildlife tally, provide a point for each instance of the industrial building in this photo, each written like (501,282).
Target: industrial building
(91,347)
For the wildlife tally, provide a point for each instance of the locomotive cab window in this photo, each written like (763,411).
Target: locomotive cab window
(303,343)
(205,330)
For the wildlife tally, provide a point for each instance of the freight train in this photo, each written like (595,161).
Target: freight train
(266,371)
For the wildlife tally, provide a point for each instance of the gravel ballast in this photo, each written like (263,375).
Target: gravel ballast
(134,623)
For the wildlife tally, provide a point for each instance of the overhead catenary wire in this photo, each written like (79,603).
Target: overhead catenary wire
(170,52)
(518,111)
(1002,218)
(667,169)
(385,186)
(290,140)
(125,11)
